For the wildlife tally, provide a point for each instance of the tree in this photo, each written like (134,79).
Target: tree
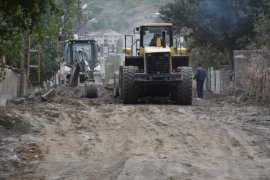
(262,26)
(225,25)
(50,48)
(56,27)
(42,19)
(18,18)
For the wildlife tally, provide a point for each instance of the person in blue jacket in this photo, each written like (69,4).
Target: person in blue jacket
(200,76)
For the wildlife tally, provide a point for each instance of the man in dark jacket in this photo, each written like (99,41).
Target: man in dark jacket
(200,76)
(153,41)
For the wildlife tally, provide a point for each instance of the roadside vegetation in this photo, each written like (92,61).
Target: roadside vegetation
(48,22)
(213,29)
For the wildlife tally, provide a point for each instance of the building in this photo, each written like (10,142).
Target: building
(109,41)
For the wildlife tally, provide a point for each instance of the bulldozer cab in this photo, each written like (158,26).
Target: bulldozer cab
(88,47)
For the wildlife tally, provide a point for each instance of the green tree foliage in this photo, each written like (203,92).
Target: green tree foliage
(18,18)
(221,25)
(50,48)
(57,27)
(44,20)
(262,26)
(208,57)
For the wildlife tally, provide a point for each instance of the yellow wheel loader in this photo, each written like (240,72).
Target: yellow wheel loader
(154,66)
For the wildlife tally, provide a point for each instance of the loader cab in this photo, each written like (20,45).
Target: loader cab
(89,47)
(155,34)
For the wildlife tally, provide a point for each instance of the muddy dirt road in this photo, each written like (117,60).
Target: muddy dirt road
(70,137)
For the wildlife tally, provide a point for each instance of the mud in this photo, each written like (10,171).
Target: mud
(71,137)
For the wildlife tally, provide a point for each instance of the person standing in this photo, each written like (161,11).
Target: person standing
(200,76)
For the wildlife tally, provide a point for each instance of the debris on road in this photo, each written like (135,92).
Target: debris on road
(69,136)
(48,95)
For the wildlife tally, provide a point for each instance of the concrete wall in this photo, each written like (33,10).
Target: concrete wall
(242,62)
(252,74)
(9,87)
(218,81)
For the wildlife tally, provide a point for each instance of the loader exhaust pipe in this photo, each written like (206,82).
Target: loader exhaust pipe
(163,39)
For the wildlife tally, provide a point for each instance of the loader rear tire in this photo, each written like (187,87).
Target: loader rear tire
(130,88)
(121,82)
(184,89)
(90,90)
(116,85)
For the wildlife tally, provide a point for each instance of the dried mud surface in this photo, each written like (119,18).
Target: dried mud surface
(71,137)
